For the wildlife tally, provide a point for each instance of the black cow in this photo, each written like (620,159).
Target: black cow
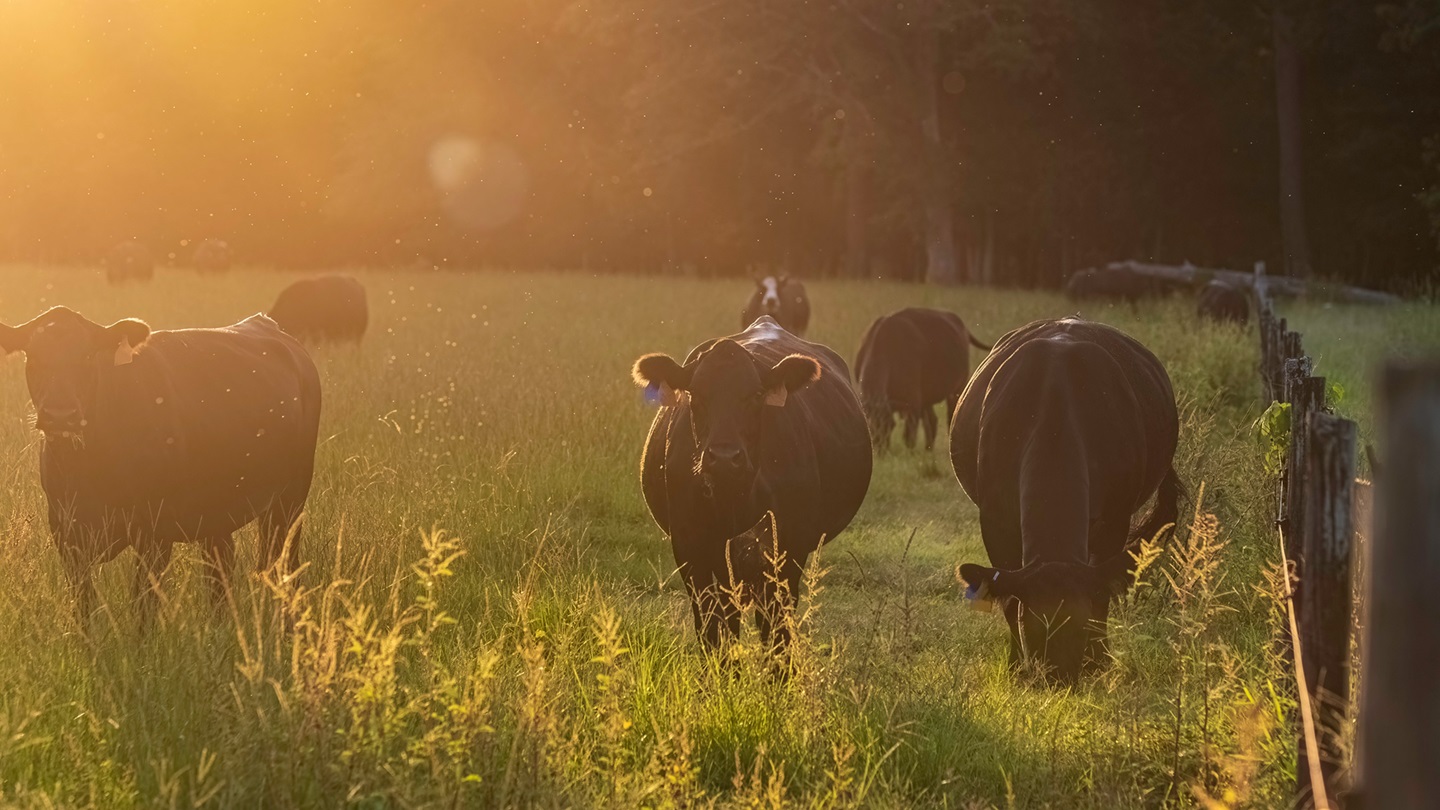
(324,308)
(1066,429)
(756,424)
(129,261)
(782,298)
(1223,303)
(1115,284)
(908,361)
(165,437)
(211,255)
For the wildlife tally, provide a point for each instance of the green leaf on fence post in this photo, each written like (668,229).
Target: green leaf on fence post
(1272,434)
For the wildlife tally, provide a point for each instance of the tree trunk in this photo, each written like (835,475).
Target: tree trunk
(941,264)
(1287,114)
(987,252)
(857,203)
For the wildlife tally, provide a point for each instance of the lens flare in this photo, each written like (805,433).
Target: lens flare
(483,184)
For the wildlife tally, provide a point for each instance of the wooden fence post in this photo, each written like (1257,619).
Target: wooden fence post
(1326,493)
(1399,753)
(1306,395)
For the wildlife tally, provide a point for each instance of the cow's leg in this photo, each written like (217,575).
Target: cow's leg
(774,611)
(927,416)
(951,403)
(78,570)
(912,424)
(1000,527)
(154,558)
(712,609)
(219,561)
(280,534)
(1012,617)
(1097,643)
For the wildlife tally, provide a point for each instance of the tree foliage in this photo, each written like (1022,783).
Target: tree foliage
(1007,142)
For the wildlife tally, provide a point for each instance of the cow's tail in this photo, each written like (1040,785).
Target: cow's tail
(1165,512)
(976,343)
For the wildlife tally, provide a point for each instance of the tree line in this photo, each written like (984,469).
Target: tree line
(1006,142)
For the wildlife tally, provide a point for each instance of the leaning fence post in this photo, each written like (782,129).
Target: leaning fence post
(1326,493)
(1305,394)
(1399,756)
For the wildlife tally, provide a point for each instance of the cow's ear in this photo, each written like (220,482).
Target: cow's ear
(134,331)
(16,338)
(661,370)
(791,374)
(981,583)
(124,337)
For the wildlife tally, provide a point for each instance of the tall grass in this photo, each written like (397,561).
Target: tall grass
(488,617)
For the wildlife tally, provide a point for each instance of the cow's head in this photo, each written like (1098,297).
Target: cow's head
(729,391)
(770,294)
(1062,607)
(64,356)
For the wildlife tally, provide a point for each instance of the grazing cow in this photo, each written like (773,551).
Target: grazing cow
(211,255)
(129,261)
(1223,303)
(909,361)
(324,308)
(782,298)
(756,424)
(1066,429)
(153,438)
(1116,283)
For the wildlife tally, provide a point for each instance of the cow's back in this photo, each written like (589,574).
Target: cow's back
(829,417)
(889,361)
(323,308)
(201,430)
(1106,383)
(945,353)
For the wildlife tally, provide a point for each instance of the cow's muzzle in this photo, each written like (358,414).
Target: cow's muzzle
(50,421)
(725,465)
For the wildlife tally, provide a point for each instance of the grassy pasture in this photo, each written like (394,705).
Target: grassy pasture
(553,663)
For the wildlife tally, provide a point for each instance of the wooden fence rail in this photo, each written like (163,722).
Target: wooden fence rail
(1324,520)
(1317,532)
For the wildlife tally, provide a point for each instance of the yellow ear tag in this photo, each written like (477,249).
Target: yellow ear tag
(979,597)
(776,396)
(124,355)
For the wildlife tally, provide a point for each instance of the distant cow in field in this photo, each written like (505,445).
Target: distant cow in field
(1066,429)
(756,424)
(154,438)
(1224,303)
(782,298)
(908,362)
(129,261)
(1115,284)
(211,255)
(321,309)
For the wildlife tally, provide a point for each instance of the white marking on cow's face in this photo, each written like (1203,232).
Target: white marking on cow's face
(771,300)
